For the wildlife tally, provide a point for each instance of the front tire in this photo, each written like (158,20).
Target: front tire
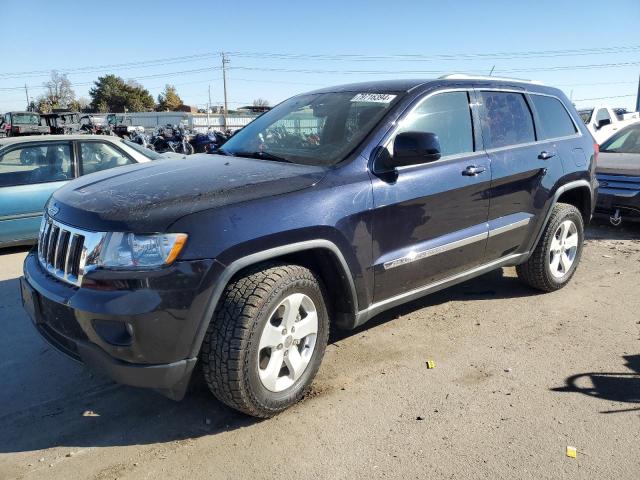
(556,257)
(267,338)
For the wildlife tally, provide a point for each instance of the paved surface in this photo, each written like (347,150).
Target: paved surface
(519,377)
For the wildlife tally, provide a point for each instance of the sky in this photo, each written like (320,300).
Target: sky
(590,49)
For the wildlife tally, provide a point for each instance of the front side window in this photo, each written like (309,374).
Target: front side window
(506,119)
(97,156)
(36,164)
(625,141)
(554,118)
(448,115)
(26,119)
(314,129)
(602,114)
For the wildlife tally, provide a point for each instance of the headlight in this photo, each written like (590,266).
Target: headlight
(130,250)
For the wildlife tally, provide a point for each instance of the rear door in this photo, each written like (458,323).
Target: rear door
(430,220)
(29,174)
(521,178)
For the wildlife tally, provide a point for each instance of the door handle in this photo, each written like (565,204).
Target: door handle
(544,155)
(472,171)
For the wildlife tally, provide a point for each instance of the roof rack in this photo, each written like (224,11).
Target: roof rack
(464,76)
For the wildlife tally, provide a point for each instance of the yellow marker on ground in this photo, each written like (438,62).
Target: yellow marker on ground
(572,452)
(431,364)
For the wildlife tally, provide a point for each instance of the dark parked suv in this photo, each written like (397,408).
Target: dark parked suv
(328,209)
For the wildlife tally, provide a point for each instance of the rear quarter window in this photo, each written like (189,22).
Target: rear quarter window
(505,119)
(554,119)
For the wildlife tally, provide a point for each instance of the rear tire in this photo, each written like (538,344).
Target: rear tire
(253,358)
(556,257)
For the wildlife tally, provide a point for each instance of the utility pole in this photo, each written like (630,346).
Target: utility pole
(26,91)
(209,110)
(225,60)
(638,97)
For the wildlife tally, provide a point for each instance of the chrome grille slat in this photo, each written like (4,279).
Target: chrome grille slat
(62,250)
(69,267)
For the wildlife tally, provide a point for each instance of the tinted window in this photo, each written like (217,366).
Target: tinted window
(36,164)
(448,116)
(625,141)
(97,156)
(506,119)
(555,121)
(602,114)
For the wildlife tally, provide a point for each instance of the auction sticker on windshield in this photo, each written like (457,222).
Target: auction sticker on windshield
(373,97)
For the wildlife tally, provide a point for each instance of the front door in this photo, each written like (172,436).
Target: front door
(430,220)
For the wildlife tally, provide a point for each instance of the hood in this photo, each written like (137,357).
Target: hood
(618,164)
(149,197)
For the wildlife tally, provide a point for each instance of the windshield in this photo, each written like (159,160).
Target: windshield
(25,118)
(314,129)
(150,154)
(585,115)
(625,141)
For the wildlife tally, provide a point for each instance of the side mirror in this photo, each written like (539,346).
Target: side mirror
(412,148)
(602,122)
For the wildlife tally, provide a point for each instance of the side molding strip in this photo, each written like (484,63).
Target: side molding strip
(415,256)
(405,297)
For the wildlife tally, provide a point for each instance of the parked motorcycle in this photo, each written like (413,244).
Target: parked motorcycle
(209,142)
(171,138)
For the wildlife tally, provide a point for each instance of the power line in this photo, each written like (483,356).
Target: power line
(604,98)
(158,75)
(436,57)
(433,72)
(98,68)
(333,57)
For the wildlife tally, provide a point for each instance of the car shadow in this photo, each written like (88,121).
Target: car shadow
(49,400)
(623,387)
(18,249)
(490,286)
(601,229)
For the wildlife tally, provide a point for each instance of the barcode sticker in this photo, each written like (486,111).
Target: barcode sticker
(373,97)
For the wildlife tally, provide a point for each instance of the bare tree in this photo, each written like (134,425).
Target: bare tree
(260,102)
(59,93)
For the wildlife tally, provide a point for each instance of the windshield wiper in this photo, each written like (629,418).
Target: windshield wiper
(262,155)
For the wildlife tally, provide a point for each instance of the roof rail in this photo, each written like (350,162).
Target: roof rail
(464,76)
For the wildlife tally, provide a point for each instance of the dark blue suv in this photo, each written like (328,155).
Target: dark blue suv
(328,209)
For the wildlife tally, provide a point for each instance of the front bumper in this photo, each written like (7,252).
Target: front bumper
(619,193)
(138,331)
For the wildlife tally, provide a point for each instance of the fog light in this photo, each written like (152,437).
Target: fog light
(115,333)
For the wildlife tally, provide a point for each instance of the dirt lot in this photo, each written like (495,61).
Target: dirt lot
(519,377)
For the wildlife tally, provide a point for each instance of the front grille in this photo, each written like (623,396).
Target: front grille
(62,250)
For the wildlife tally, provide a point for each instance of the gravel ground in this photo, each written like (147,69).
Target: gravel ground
(518,377)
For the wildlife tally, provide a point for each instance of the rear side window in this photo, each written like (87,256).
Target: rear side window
(447,115)
(554,118)
(506,119)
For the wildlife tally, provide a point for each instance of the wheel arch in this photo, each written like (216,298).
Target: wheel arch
(321,256)
(577,193)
